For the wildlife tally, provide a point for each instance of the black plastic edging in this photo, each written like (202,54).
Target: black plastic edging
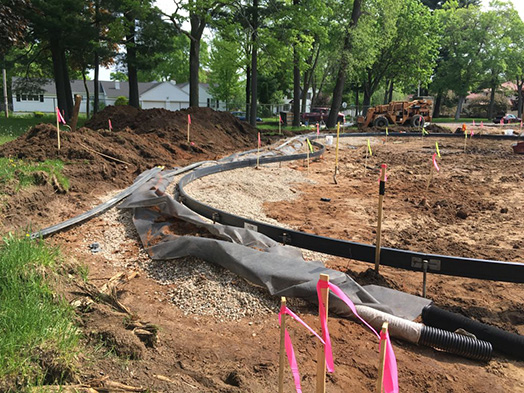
(403,259)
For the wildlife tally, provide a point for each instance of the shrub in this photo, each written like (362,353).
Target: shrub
(121,100)
(38,114)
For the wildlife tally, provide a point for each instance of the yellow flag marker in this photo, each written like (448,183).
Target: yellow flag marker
(387,133)
(310,145)
(424,132)
(438,152)
(369,148)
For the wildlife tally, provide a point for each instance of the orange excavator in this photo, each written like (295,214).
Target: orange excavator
(412,113)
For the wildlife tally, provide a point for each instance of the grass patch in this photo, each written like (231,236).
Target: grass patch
(17,125)
(16,174)
(38,338)
(461,120)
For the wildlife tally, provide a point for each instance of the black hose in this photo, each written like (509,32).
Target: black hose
(455,343)
(508,343)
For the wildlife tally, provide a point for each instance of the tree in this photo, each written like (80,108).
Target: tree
(463,41)
(59,25)
(408,57)
(224,64)
(201,12)
(514,55)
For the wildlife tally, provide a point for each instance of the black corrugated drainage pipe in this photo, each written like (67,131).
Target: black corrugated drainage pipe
(508,343)
(420,334)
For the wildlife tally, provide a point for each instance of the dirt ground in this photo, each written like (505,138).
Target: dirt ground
(472,208)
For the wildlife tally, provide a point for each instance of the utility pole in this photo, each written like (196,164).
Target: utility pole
(6,101)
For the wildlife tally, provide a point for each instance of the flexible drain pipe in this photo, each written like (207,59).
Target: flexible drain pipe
(420,334)
(509,343)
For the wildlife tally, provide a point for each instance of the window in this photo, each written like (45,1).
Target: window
(18,97)
(208,102)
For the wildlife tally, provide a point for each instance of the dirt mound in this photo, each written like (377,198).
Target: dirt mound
(103,160)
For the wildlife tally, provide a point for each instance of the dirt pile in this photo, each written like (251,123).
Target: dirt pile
(102,160)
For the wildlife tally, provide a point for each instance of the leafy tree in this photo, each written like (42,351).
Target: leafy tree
(224,64)
(408,57)
(201,13)
(58,25)
(514,55)
(463,41)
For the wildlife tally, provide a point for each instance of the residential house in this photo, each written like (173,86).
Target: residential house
(34,97)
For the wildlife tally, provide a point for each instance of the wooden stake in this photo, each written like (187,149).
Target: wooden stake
(307,154)
(336,149)
(74,120)
(381,192)
(380,379)
(282,355)
(321,357)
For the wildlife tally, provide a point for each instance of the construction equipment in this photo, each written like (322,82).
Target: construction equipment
(413,113)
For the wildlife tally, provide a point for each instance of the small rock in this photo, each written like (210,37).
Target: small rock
(504,210)
(462,214)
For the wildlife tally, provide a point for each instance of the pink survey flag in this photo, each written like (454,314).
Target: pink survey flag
(473,122)
(280,118)
(188,118)
(502,121)
(390,365)
(481,124)
(318,129)
(435,162)
(259,143)
(110,125)
(289,344)
(59,116)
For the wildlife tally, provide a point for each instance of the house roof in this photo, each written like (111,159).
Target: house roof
(112,92)
(77,87)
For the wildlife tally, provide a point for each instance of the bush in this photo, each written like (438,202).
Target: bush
(121,100)
(38,114)
(479,106)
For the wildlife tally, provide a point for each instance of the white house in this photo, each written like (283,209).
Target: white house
(34,97)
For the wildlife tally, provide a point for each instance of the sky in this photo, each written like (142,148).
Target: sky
(168,6)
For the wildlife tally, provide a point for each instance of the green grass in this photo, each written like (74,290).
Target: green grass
(461,120)
(35,325)
(17,125)
(17,174)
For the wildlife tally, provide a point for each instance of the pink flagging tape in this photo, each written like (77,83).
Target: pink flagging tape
(435,162)
(259,143)
(110,125)
(290,352)
(60,117)
(188,118)
(390,367)
(390,380)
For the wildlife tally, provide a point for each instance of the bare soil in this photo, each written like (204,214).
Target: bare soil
(473,208)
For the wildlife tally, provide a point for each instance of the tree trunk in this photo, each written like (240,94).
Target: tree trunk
(459,107)
(67,86)
(366,101)
(519,92)
(96,99)
(254,69)
(87,92)
(491,102)
(96,92)
(59,75)
(357,110)
(198,25)
(296,89)
(132,74)
(390,96)
(436,108)
(386,93)
(341,75)
(248,93)
(194,65)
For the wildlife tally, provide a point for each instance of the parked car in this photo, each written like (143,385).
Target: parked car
(242,116)
(508,118)
(318,115)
